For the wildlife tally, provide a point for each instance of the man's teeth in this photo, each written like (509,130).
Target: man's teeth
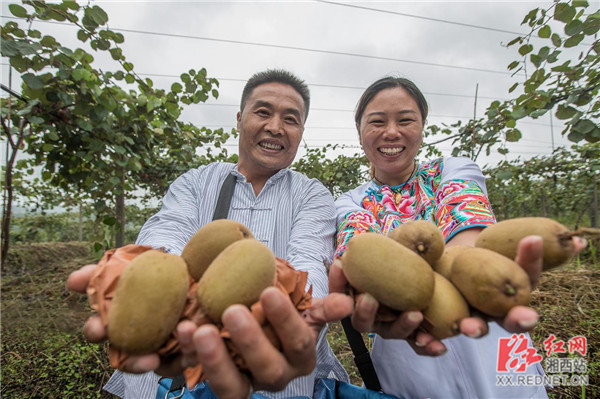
(271,146)
(391,151)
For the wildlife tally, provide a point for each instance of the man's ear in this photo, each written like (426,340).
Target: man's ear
(238,117)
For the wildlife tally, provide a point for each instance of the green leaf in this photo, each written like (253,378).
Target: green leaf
(513,135)
(518,113)
(32,81)
(504,174)
(81,74)
(47,147)
(515,40)
(98,14)
(580,3)
(17,11)
(36,34)
(513,87)
(511,123)
(536,60)
(591,26)
(128,66)
(544,32)
(574,40)
(565,112)
(584,126)
(573,27)
(575,136)
(82,35)
(176,87)
(103,44)
(71,5)
(564,12)
(48,41)
(512,65)
(525,49)
(556,40)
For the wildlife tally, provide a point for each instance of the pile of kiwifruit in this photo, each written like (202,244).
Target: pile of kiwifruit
(152,291)
(412,269)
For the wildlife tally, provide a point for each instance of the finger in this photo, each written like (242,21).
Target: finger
(474,327)
(520,319)
(579,243)
(79,279)
(427,345)
(141,364)
(267,364)
(333,307)
(94,330)
(402,327)
(337,279)
(185,336)
(297,338)
(365,310)
(530,255)
(220,370)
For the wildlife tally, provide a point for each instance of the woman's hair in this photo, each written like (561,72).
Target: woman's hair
(390,82)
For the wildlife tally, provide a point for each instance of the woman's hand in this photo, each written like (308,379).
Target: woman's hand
(519,318)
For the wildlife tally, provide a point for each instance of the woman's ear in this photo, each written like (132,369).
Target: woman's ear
(359,136)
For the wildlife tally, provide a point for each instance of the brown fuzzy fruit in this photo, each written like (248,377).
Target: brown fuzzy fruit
(444,263)
(504,238)
(238,275)
(446,309)
(490,282)
(390,272)
(209,241)
(421,236)
(148,301)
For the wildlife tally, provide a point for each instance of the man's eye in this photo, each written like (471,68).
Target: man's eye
(262,112)
(291,120)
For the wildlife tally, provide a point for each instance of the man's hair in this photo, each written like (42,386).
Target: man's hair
(276,76)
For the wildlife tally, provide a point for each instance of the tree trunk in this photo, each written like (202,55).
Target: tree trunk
(120,214)
(594,207)
(8,188)
(543,199)
(80,230)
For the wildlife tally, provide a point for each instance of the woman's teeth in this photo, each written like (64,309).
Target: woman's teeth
(391,151)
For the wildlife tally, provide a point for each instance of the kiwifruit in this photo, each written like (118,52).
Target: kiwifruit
(237,276)
(490,282)
(393,274)
(446,309)
(148,301)
(444,263)
(209,241)
(422,237)
(504,238)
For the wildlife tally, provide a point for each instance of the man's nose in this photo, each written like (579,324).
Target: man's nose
(275,125)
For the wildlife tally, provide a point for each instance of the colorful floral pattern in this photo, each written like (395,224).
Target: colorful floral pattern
(454,206)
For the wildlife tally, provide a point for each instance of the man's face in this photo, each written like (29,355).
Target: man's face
(270,128)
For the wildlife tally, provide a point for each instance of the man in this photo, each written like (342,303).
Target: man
(291,214)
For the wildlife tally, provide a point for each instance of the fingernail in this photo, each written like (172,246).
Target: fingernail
(414,317)
(528,324)
(419,343)
(235,318)
(369,303)
(442,351)
(475,334)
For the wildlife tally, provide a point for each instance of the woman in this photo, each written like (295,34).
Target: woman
(450,192)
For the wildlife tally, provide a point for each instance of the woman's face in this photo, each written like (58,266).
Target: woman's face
(391,133)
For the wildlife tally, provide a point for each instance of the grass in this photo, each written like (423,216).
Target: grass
(44,354)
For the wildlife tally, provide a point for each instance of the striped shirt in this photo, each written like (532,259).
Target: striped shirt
(292,215)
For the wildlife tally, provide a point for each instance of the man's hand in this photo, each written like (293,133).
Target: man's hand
(518,319)
(271,369)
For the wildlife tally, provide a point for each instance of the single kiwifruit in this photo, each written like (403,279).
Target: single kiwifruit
(209,241)
(148,301)
(422,237)
(390,272)
(490,282)
(444,263)
(504,238)
(446,309)
(237,276)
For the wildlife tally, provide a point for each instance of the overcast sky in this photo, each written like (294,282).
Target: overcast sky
(446,47)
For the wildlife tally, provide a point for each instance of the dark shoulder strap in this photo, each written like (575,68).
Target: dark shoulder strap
(224,200)
(362,358)
(221,212)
